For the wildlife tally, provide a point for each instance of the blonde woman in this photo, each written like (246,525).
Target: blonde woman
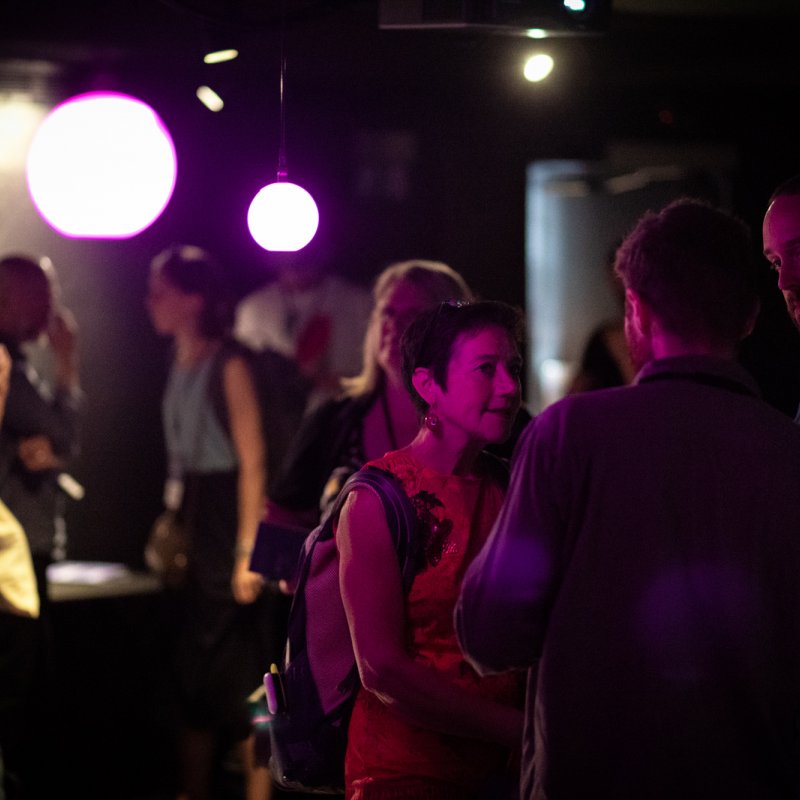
(375,413)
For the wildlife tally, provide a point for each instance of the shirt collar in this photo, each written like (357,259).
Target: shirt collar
(701,368)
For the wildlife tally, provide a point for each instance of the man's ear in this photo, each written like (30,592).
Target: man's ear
(639,314)
(424,384)
(751,320)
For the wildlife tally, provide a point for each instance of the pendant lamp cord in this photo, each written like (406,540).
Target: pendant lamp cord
(282,170)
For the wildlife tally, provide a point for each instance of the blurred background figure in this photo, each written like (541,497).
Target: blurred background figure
(38,440)
(216,479)
(311,316)
(606,361)
(374,413)
(19,607)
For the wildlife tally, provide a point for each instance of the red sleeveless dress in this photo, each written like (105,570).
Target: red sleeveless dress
(457,514)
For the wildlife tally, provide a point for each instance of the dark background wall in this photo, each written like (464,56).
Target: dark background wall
(414,144)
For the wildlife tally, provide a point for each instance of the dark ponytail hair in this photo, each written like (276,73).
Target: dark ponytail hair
(194,270)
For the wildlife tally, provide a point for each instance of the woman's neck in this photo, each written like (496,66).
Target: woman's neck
(443,454)
(191,348)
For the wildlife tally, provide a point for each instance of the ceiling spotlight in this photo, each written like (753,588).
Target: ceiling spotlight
(218,56)
(209,98)
(538,67)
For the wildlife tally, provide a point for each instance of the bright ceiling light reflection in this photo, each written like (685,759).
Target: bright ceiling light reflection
(19,118)
(283,217)
(536,33)
(218,56)
(101,165)
(554,377)
(538,67)
(209,98)
(575,5)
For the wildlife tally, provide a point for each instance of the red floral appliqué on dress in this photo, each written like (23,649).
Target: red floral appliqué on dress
(434,533)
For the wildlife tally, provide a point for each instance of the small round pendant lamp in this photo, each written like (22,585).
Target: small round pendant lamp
(282,216)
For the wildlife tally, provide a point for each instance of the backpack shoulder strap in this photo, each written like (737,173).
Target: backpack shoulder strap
(400,516)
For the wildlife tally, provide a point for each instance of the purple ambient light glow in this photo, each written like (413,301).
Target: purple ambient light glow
(283,216)
(102,165)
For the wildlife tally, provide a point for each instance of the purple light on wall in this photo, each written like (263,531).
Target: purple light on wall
(283,216)
(102,165)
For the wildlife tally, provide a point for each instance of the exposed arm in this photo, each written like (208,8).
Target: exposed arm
(5,376)
(248,440)
(507,592)
(370,582)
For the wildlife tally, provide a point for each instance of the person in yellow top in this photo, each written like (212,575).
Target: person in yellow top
(19,603)
(18,592)
(38,440)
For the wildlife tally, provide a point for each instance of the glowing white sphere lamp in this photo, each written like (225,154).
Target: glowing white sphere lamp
(283,217)
(101,165)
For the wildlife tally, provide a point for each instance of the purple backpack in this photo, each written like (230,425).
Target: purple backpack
(311,696)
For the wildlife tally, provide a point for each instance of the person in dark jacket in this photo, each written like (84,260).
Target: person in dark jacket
(647,554)
(38,440)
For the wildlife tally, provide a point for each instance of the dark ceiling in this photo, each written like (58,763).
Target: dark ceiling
(338,43)
(717,70)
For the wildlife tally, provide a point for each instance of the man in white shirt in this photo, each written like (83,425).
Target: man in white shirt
(311,316)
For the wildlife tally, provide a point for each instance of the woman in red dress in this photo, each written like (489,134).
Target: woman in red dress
(425,725)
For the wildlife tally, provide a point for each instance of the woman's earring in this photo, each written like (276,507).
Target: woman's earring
(432,422)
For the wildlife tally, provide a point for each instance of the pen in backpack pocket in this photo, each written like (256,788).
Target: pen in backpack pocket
(276,699)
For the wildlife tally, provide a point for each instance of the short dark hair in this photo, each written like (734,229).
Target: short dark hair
(27,269)
(23,275)
(428,341)
(194,270)
(790,186)
(694,266)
